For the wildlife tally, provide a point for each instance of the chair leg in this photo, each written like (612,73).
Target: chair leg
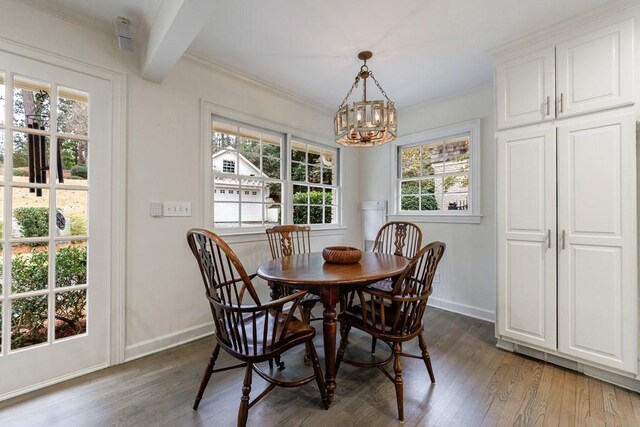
(426,357)
(305,312)
(374,340)
(397,368)
(305,317)
(313,355)
(206,376)
(344,340)
(243,412)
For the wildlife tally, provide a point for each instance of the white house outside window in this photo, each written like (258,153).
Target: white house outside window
(249,188)
(437,173)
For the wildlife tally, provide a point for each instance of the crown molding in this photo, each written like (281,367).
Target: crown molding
(431,102)
(83,21)
(565,26)
(211,65)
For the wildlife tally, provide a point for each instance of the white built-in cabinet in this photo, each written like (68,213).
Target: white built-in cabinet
(566,201)
(585,74)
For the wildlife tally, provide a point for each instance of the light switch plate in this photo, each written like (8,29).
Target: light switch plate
(177,208)
(155,209)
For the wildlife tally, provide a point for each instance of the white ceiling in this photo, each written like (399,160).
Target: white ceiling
(423,49)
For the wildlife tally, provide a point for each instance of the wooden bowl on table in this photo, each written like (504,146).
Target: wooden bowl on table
(341,254)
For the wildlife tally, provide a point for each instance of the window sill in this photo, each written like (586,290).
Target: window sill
(448,218)
(260,235)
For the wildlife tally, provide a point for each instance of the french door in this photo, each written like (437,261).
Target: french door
(55,212)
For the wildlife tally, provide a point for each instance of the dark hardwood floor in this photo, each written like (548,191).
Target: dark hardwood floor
(477,384)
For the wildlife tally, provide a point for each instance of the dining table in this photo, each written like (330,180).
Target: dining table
(330,282)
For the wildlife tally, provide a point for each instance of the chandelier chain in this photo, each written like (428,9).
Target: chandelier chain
(353,86)
(379,87)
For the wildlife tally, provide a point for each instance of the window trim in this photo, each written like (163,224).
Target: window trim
(472,215)
(290,133)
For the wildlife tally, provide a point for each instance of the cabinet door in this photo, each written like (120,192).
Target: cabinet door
(525,89)
(597,288)
(526,237)
(595,71)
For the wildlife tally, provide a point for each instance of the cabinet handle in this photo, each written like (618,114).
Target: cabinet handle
(563,239)
(548,106)
(549,237)
(562,102)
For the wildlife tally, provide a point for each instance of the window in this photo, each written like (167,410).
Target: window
(228,166)
(252,160)
(437,172)
(313,173)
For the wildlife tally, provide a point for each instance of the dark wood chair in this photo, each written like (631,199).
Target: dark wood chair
(396,316)
(285,240)
(395,238)
(251,333)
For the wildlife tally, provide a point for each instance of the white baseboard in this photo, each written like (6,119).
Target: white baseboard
(52,381)
(467,310)
(167,341)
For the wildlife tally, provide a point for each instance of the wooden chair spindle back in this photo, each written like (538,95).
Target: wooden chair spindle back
(398,238)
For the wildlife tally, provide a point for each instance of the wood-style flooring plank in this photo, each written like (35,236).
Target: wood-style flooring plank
(476,384)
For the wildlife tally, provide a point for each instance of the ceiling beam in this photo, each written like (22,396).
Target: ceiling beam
(177,23)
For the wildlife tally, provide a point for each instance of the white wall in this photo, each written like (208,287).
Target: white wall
(164,296)
(467,271)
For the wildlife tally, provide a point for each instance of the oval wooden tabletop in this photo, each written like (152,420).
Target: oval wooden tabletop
(311,269)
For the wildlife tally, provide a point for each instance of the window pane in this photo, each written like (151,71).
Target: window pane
(330,215)
(426,155)
(251,214)
(330,196)
(29,267)
(313,157)
(456,201)
(316,196)
(30,158)
(298,152)
(71,313)
(30,212)
(300,194)
(71,263)
(31,103)
(410,165)
(71,212)
(455,184)
(410,187)
(299,172)
(272,192)
(428,202)
(226,215)
(1,325)
(328,167)
(29,321)
(316,215)
(73,111)
(428,186)
(271,167)
(271,149)
(300,214)
(73,155)
(410,203)
(273,214)
(224,158)
(314,174)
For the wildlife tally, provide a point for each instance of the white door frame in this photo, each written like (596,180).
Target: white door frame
(118,138)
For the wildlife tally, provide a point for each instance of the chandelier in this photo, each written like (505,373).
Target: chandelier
(365,123)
